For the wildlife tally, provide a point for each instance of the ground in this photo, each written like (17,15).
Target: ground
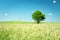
(29,31)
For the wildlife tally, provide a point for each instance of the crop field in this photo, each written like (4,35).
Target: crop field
(29,31)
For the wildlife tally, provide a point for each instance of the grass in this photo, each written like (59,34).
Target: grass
(29,31)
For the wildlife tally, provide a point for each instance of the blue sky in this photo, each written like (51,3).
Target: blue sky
(21,10)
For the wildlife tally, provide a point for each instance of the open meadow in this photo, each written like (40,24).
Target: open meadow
(29,31)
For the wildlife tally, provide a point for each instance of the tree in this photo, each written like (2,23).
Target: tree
(38,16)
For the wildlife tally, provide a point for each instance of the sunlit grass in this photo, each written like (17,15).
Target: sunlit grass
(29,31)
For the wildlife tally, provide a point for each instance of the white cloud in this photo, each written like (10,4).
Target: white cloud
(54,1)
(32,11)
(6,14)
(50,14)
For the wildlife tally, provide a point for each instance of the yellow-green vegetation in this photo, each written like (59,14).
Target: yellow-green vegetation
(29,31)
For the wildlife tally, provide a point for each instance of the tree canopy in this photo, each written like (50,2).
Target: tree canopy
(38,16)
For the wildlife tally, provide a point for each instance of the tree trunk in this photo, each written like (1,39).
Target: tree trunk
(38,22)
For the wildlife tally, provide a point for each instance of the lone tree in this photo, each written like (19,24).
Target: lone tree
(38,16)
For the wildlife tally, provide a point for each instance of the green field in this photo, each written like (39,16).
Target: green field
(29,31)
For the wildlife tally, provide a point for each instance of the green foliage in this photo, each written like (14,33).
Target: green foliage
(38,16)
